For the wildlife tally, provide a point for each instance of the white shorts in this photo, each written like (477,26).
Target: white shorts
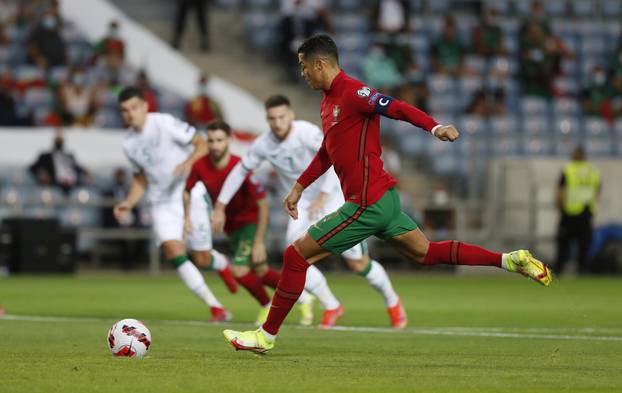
(296,228)
(168,223)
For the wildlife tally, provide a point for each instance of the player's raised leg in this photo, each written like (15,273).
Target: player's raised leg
(415,246)
(359,261)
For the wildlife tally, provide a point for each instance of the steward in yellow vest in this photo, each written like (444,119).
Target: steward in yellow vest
(576,199)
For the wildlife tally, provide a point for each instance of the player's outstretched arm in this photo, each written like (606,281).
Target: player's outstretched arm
(290,203)
(137,189)
(259,254)
(317,167)
(187,219)
(200,149)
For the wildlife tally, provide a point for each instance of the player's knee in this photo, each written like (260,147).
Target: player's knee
(357,265)
(239,271)
(202,259)
(419,251)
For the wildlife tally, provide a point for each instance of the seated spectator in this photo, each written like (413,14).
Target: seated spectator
(112,72)
(537,15)
(391,16)
(380,70)
(596,98)
(59,168)
(537,67)
(8,110)
(77,99)
(149,92)
(415,90)
(487,36)
(201,109)
(448,52)
(615,69)
(111,43)
(487,102)
(8,14)
(299,20)
(46,47)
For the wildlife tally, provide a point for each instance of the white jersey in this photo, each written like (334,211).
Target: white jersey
(164,143)
(290,158)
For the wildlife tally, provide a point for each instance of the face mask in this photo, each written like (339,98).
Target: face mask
(599,79)
(49,22)
(203,89)
(113,33)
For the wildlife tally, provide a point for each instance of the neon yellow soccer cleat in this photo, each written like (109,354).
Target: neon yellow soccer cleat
(252,340)
(306,312)
(263,315)
(523,262)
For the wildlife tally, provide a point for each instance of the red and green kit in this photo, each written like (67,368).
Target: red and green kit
(350,113)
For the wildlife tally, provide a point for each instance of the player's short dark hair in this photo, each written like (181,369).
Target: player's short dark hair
(219,125)
(130,92)
(276,100)
(318,46)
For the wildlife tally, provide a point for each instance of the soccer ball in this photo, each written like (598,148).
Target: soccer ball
(130,338)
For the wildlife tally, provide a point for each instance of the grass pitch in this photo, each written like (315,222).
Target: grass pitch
(466,334)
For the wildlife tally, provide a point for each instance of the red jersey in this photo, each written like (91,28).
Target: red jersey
(243,209)
(351,124)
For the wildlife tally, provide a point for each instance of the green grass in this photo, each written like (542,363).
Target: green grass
(72,355)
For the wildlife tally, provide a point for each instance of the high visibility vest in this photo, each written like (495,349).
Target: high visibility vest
(581,187)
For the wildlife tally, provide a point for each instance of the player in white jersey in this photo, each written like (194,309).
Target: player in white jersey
(162,150)
(289,147)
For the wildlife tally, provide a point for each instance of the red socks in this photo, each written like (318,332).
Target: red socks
(457,253)
(253,284)
(271,278)
(290,287)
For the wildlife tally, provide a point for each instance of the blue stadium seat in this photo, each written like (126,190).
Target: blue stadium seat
(441,84)
(504,145)
(598,147)
(26,73)
(584,9)
(565,145)
(534,106)
(476,63)
(522,7)
(108,118)
(446,103)
(537,146)
(556,8)
(502,6)
(593,45)
(348,5)
(611,8)
(49,196)
(260,3)
(37,97)
(566,106)
(596,127)
(79,53)
(536,125)
(617,129)
(439,6)
(353,23)
(473,125)
(504,124)
(84,195)
(566,86)
(80,217)
(58,74)
(567,126)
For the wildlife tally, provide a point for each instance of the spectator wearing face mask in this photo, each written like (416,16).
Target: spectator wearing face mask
(202,109)
(59,168)
(597,95)
(46,47)
(77,100)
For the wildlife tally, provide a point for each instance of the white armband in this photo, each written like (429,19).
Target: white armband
(433,131)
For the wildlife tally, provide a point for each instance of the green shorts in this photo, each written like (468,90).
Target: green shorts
(241,242)
(351,224)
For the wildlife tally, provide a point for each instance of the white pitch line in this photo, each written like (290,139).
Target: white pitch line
(496,332)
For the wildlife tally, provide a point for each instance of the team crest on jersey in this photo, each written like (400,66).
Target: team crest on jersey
(364,91)
(336,111)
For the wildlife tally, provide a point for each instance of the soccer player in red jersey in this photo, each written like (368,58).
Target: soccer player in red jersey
(350,113)
(247,215)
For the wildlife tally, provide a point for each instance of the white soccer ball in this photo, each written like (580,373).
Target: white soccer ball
(130,338)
